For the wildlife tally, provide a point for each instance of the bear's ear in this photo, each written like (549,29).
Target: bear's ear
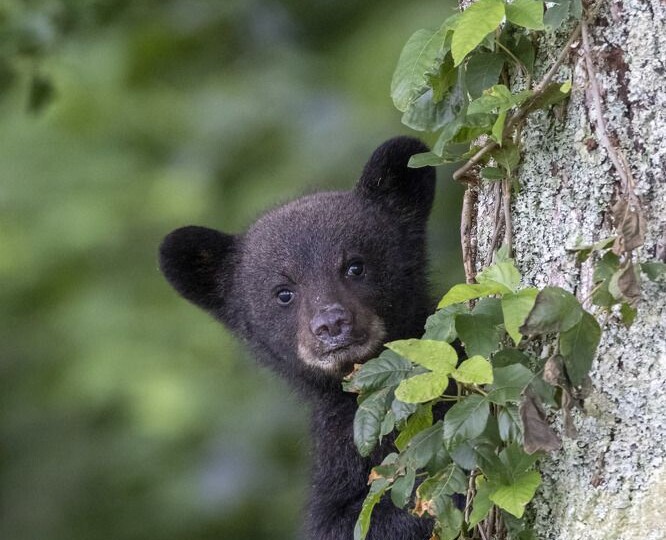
(199,262)
(387,179)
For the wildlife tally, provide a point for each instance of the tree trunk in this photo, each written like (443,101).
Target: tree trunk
(609,483)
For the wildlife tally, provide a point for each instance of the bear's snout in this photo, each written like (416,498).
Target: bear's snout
(332,325)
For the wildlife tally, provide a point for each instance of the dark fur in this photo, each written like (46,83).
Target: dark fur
(306,245)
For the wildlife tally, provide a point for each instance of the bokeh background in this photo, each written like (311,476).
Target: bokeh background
(126,413)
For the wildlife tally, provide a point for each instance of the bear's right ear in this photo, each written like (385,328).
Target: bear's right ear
(387,180)
(198,262)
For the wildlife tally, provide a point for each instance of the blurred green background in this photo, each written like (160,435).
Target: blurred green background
(126,413)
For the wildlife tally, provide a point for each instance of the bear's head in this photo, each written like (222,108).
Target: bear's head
(320,283)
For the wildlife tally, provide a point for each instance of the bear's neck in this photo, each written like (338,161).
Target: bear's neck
(339,471)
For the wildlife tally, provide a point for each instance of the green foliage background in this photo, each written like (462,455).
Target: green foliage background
(125,413)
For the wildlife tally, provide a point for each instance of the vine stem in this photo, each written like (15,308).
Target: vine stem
(618,159)
(466,225)
(506,205)
(520,113)
(497,223)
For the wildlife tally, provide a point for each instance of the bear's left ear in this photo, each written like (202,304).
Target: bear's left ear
(199,263)
(387,180)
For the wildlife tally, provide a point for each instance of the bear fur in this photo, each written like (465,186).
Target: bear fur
(313,287)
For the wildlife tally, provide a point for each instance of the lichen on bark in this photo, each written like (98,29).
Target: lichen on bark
(609,483)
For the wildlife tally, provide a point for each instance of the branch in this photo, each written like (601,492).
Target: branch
(458,173)
(616,156)
(466,242)
(497,223)
(506,205)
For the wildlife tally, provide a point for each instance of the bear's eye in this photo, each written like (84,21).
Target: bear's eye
(356,269)
(284,297)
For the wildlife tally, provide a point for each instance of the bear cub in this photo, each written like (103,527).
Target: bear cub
(314,287)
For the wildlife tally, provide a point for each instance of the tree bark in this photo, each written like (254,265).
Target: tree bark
(609,483)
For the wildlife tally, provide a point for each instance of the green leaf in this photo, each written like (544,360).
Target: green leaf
(526,13)
(498,127)
(505,273)
(466,419)
(584,250)
(482,71)
(441,325)
(464,292)
(386,370)
(424,114)
(464,454)
(606,267)
(578,347)
(474,370)
(449,481)
(446,77)
(423,447)
(389,468)
(654,270)
(434,494)
(416,423)
(556,15)
(425,159)
(402,411)
(422,388)
(437,356)
(369,418)
(508,423)
(492,307)
(516,307)
(524,51)
(492,173)
(603,272)
(388,424)
(555,310)
(475,23)
(515,461)
(450,520)
(513,497)
(628,314)
(377,490)
(442,146)
(478,333)
(552,94)
(422,54)
(402,488)
(481,504)
(508,357)
(508,384)
(507,157)
(497,98)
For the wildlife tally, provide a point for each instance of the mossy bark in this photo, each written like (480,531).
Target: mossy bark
(609,483)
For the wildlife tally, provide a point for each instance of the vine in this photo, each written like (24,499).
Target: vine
(528,350)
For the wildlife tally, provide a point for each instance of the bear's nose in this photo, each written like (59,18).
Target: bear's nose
(332,326)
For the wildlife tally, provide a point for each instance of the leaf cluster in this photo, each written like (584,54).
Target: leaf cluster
(453,80)
(496,428)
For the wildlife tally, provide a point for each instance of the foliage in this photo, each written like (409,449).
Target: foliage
(495,429)
(454,80)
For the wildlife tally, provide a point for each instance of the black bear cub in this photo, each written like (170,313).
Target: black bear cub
(313,287)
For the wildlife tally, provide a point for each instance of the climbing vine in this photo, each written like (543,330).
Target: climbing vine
(528,350)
